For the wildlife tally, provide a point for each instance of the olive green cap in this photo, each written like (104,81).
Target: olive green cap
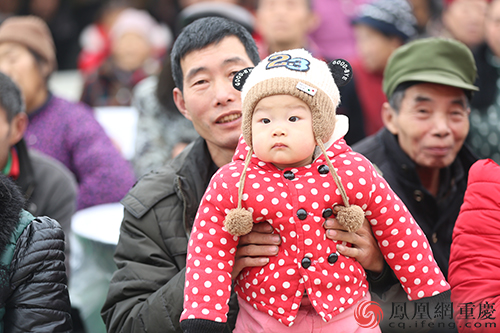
(434,60)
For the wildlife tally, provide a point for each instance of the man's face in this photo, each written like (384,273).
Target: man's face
(17,62)
(465,20)
(432,123)
(374,48)
(208,98)
(282,131)
(492,27)
(284,22)
(130,51)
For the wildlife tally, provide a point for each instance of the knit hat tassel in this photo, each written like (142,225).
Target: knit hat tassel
(239,221)
(350,217)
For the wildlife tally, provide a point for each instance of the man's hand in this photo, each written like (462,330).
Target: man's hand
(255,248)
(364,245)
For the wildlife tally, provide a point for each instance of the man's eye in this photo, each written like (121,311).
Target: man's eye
(197,83)
(293,119)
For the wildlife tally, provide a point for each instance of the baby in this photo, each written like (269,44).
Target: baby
(292,167)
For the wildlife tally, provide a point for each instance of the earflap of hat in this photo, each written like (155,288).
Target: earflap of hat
(341,71)
(240,78)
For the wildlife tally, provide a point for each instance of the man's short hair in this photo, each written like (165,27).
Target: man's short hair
(11,100)
(204,32)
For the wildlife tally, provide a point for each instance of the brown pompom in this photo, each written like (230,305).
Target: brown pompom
(351,217)
(238,222)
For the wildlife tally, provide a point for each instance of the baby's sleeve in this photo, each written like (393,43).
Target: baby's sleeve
(402,242)
(210,260)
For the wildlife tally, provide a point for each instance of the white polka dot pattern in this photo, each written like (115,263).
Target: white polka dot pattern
(277,288)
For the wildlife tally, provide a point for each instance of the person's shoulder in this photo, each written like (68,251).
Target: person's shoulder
(484,171)
(149,190)
(39,229)
(159,184)
(49,170)
(367,145)
(63,105)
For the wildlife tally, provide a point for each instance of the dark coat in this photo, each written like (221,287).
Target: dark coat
(146,293)
(49,188)
(435,215)
(33,283)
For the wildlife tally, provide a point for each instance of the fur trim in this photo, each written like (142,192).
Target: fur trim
(11,204)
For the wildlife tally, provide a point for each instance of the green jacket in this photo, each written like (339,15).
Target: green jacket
(146,292)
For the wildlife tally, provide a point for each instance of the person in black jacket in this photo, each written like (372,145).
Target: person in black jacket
(33,284)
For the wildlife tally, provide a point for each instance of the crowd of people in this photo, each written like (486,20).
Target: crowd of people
(302,118)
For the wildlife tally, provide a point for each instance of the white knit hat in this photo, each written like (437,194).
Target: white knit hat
(299,74)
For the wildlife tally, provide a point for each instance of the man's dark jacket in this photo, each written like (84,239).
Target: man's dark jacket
(435,215)
(146,293)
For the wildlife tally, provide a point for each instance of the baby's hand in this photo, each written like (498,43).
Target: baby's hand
(255,248)
(364,245)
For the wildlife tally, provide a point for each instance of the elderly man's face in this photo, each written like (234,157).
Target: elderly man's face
(431,125)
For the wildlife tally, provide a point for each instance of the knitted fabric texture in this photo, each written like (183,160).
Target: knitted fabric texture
(293,72)
(33,33)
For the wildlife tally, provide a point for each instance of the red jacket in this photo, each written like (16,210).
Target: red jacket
(474,272)
(272,195)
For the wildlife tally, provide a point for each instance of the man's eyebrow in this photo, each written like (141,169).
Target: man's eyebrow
(233,60)
(458,101)
(422,99)
(193,71)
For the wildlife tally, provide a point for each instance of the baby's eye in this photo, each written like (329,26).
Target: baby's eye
(266,121)
(293,119)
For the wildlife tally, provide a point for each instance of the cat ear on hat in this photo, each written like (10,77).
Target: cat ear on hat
(341,71)
(240,78)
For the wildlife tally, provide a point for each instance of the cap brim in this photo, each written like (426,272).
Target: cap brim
(438,77)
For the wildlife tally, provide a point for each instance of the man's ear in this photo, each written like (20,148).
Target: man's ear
(18,126)
(180,103)
(389,116)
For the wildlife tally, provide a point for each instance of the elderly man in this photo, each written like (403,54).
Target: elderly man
(421,151)
(147,291)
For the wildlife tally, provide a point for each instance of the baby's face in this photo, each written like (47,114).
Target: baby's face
(282,131)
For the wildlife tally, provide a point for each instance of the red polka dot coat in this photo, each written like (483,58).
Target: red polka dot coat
(276,196)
